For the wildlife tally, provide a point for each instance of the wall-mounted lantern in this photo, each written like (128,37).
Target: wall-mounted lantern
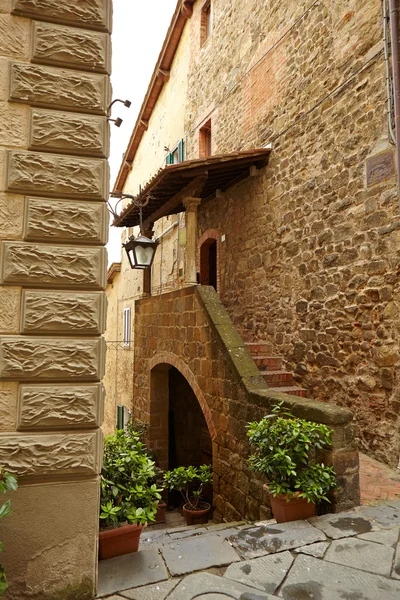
(140,251)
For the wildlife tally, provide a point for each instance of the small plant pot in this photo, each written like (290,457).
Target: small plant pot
(161,509)
(297,509)
(122,540)
(197,517)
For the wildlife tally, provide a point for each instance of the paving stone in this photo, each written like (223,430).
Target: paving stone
(360,554)
(129,571)
(388,537)
(396,564)
(342,525)
(267,539)
(385,514)
(394,503)
(314,579)
(317,550)
(234,525)
(204,586)
(265,573)
(183,528)
(186,534)
(158,591)
(198,553)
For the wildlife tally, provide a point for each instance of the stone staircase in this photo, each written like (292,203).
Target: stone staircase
(271,368)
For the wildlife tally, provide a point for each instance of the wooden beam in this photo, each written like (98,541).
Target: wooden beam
(164,75)
(193,189)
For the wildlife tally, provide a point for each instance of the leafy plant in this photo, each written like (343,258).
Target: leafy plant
(182,479)
(128,489)
(7,483)
(285,448)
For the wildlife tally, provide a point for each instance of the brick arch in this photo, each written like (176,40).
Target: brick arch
(209,236)
(168,358)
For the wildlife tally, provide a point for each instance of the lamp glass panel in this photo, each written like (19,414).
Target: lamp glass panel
(144,255)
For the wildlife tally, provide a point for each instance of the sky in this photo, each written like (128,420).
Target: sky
(139,29)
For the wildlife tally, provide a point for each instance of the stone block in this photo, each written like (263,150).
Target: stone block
(91,14)
(55,455)
(52,359)
(55,175)
(63,312)
(10,299)
(61,523)
(11,215)
(59,88)
(65,221)
(8,405)
(73,48)
(59,406)
(14,120)
(14,37)
(68,133)
(45,265)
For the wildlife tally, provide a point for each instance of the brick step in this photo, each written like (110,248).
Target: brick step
(278,378)
(292,391)
(259,349)
(273,363)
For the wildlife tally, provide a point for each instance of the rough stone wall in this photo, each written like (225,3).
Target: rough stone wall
(310,262)
(54,94)
(189,330)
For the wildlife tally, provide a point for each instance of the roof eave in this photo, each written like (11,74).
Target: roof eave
(183,12)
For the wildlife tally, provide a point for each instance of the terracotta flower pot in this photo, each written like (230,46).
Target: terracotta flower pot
(297,509)
(122,540)
(161,509)
(197,517)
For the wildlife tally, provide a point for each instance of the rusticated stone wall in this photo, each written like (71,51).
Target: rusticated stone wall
(54,144)
(310,260)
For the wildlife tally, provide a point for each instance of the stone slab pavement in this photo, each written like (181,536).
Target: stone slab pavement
(345,556)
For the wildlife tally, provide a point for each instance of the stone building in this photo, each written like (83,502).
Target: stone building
(264,132)
(54,142)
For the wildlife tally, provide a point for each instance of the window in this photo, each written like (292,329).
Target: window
(127,327)
(177,155)
(206,23)
(205,142)
(123,417)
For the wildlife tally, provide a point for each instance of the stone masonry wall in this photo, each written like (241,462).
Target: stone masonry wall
(190,330)
(54,142)
(310,258)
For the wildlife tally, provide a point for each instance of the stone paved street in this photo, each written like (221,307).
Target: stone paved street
(346,556)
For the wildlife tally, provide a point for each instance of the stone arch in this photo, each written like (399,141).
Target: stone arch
(162,361)
(209,237)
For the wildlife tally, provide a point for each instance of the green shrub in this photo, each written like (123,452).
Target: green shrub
(7,483)
(285,449)
(182,479)
(128,492)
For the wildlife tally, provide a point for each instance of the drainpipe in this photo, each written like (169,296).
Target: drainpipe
(394,35)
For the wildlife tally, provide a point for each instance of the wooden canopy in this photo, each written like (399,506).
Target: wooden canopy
(201,178)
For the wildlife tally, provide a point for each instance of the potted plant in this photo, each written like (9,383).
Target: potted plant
(7,483)
(285,452)
(190,482)
(129,496)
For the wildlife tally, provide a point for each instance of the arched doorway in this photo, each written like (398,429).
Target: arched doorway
(209,263)
(179,433)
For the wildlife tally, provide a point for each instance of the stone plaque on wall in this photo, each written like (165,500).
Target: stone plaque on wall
(75,48)
(68,133)
(53,359)
(59,88)
(380,167)
(45,265)
(51,455)
(50,312)
(66,221)
(60,406)
(91,14)
(56,175)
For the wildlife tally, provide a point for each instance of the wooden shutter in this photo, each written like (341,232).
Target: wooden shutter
(181,151)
